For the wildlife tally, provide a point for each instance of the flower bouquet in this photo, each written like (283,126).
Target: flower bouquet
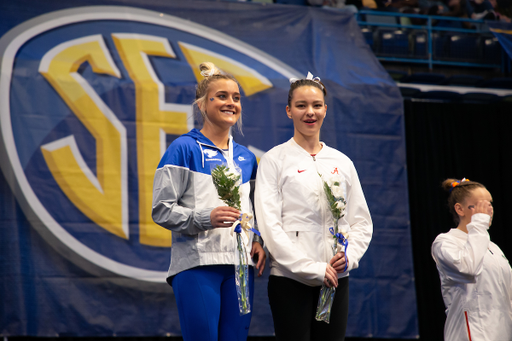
(228,188)
(337,204)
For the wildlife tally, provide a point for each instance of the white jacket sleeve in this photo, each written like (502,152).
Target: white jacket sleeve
(361,226)
(461,264)
(510,288)
(268,205)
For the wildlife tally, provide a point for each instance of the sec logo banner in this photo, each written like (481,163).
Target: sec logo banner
(89,100)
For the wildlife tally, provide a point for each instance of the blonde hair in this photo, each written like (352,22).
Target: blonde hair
(211,74)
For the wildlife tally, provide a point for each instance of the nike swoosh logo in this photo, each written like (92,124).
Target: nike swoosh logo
(300,171)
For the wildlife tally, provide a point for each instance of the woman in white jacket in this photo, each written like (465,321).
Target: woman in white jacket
(294,219)
(476,278)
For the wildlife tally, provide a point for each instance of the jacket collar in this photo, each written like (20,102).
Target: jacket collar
(293,143)
(203,141)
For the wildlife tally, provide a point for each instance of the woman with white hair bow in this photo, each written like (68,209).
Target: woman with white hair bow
(294,218)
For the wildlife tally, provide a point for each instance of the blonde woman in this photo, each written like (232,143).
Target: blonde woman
(186,202)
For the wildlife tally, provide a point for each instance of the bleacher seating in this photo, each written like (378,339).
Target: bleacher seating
(409,92)
(477,97)
(394,42)
(394,35)
(292,2)
(491,50)
(441,46)
(440,95)
(394,39)
(451,94)
(419,39)
(397,75)
(498,83)
(464,80)
(376,17)
(464,47)
(425,78)
(368,35)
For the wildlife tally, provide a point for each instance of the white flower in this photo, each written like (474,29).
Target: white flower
(337,191)
(340,205)
(231,174)
(336,178)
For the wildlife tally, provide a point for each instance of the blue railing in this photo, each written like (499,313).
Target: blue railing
(431,42)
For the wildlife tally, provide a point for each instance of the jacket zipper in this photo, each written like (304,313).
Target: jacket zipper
(297,232)
(467,324)
(314,159)
(323,217)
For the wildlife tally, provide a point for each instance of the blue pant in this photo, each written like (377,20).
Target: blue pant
(208,304)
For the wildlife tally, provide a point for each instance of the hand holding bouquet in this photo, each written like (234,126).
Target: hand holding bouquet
(337,205)
(228,187)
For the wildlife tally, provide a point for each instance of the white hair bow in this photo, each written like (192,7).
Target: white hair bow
(310,77)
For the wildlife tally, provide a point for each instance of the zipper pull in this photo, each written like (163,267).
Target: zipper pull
(313,157)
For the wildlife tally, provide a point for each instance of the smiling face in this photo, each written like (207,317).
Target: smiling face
(222,104)
(307,109)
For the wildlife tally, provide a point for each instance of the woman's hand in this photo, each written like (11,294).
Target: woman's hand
(259,256)
(331,277)
(224,216)
(483,206)
(338,262)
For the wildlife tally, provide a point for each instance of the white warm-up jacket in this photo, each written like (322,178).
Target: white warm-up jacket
(476,282)
(293,213)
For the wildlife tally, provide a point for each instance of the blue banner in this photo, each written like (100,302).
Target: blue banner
(90,97)
(502,31)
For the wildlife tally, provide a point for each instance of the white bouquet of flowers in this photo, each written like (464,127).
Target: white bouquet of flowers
(228,187)
(337,204)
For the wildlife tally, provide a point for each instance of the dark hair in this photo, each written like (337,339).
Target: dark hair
(211,74)
(459,190)
(305,82)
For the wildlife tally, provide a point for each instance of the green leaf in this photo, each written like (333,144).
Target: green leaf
(227,186)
